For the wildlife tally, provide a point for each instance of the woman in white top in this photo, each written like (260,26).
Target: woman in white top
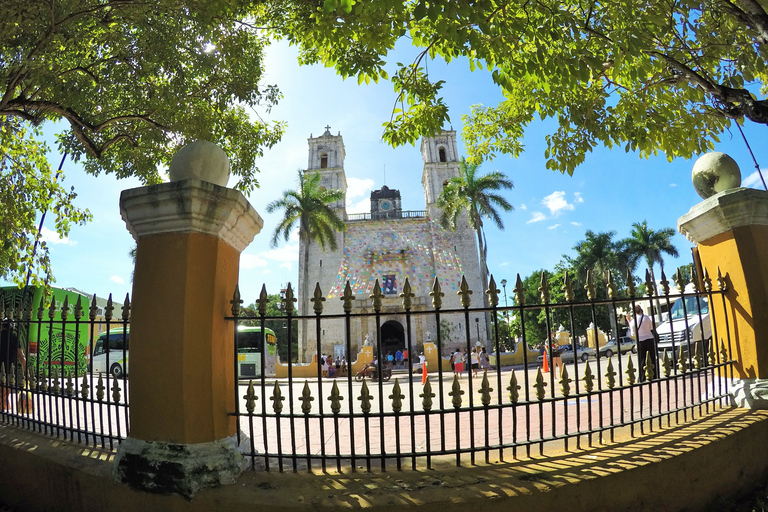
(641,327)
(475,362)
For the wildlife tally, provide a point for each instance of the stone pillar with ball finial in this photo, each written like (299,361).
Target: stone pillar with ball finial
(730,229)
(189,234)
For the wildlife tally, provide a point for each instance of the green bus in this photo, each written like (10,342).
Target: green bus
(45,341)
(249,349)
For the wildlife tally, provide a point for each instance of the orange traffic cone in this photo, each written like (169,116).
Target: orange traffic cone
(545,367)
(424,373)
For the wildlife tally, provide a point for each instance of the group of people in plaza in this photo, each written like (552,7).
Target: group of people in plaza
(475,361)
(333,368)
(398,360)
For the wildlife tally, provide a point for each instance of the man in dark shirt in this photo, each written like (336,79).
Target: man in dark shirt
(11,354)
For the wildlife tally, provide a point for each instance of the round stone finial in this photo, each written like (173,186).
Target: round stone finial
(714,172)
(200,160)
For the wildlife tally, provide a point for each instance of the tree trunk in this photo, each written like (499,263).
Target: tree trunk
(303,348)
(484,281)
(658,301)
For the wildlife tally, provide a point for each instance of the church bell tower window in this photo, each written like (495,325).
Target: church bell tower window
(442,155)
(324,161)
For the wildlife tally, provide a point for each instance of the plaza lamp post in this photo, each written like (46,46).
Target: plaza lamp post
(506,311)
(477,326)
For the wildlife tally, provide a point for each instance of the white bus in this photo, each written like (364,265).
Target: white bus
(113,356)
(110,352)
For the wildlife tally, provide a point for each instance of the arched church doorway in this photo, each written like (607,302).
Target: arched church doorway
(392,337)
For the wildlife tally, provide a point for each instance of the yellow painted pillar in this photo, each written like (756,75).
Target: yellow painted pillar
(189,233)
(731,233)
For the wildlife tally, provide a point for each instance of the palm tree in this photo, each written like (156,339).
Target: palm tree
(598,253)
(309,208)
(476,194)
(645,242)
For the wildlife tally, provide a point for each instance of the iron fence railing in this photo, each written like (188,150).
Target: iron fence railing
(308,420)
(409,421)
(49,386)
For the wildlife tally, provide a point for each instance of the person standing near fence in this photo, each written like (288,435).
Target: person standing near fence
(475,362)
(11,355)
(399,358)
(484,362)
(641,327)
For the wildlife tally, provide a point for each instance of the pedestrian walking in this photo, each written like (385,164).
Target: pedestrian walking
(642,330)
(485,363)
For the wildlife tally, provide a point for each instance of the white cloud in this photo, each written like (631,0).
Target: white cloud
(285,255)
(554,226)
(363,206)
(556,203)
(359,188)
(537,217)
(51,237)
(673,184)
(523,207)
(577,197)
(248,261)
(505,264)
(754,179)
(575,223)
(288,252)
(117,279)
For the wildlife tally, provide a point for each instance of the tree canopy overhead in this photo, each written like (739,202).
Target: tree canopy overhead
(128,83)
(647,76)
(134,81)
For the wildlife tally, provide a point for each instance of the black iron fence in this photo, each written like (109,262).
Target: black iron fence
(50,355)
(308,420)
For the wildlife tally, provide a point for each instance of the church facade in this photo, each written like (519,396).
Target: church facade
(390,244)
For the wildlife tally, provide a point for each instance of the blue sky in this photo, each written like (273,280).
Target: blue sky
(609,192)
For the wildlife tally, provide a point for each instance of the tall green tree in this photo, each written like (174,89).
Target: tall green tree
(29,188)
(127,84)
(309,209)
(646,243)
(532,319)
(279,325)
(651,77)
(477,196)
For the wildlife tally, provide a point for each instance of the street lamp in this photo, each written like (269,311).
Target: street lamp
(506,311)
(477,326)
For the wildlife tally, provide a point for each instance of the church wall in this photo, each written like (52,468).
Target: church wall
(391,251)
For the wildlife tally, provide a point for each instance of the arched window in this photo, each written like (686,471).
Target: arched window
(445,183)
(442,155)
(324,161)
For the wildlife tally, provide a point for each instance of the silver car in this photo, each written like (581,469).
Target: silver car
(610,348)
(566,353)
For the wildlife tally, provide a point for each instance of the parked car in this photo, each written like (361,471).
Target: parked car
(582,353)
(627,344)
(687,323)
(566,353)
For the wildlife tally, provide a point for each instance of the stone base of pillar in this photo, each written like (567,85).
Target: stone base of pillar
(750,393)
(181,469)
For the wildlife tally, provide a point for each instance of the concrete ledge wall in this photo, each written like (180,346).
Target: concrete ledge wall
(715,458)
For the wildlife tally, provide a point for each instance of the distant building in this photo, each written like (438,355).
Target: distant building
(391,243)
